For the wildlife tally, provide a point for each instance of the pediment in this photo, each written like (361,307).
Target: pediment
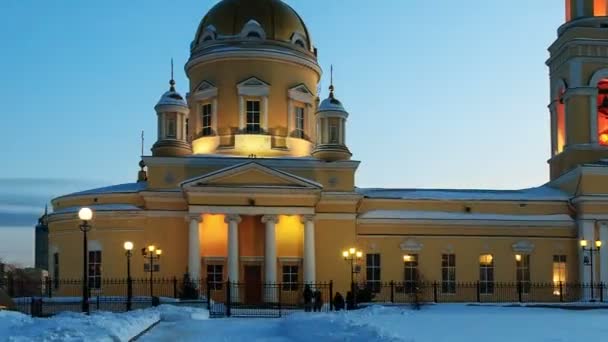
(253,82)
(250,175)
(205,90)
(301,93)
(205,85)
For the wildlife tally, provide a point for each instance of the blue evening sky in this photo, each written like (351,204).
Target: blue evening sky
(441,93)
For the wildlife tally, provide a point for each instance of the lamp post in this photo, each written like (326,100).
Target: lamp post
(352,256)
(85,215)
(129,252)
(151,253)
(591,250)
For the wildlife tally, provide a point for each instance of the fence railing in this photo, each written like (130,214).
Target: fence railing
(481,292)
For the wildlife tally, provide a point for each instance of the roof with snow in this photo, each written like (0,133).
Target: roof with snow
(113,189)
(99,207)
(172,98)
(331,104)
(458,216)
(543,193)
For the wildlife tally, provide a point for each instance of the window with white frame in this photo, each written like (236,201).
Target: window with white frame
(559,274)
(215,276)
(448,273)
(372,271)
(299,119)
(290,277)
(206,119)
(253,117)
(411,277)
(94,269)
(522,265)
(486,274)
(56,270)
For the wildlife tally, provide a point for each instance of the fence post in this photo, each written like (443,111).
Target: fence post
(392,291)
(228,297)
(97,302)
(435,292)
(49,289)
(175,287)
(331,295)
(601,292)
(279,299)
(519,290)
(478,292)
(561,292)
(11,285)
(208,295)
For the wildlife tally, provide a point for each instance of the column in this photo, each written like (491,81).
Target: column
(603,259)
(585,231)
(233,246)
(194,249)
(270,258)
(241,112)
(309,249)
(265,113)
(593,118)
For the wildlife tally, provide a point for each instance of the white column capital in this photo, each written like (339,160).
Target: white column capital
(307,218)
(194,217)
(270,218)
(232,218)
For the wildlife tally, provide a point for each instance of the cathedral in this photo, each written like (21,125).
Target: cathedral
(251,178)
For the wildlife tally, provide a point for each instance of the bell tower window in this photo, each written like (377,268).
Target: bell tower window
(334,133)
(602,112)
(561,122)
(171,126)
(206,119)
(568,10)
(253,117)
(600,8)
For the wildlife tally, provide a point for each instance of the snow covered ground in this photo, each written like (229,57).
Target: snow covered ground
(437,323)
(99,326)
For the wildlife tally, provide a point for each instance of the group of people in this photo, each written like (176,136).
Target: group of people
(313,300)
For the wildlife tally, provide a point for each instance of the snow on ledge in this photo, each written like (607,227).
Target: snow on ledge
(543,193)
(441,215)
(99,207)
(119,188)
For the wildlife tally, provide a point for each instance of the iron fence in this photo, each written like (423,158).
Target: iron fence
(477,292)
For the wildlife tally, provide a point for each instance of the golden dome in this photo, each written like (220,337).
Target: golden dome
(278,20)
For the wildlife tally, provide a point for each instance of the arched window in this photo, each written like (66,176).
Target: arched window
(602,112)
(254,34)
(300,43)
(600,8)
(560,113)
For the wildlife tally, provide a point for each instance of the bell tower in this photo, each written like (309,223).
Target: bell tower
(578,66)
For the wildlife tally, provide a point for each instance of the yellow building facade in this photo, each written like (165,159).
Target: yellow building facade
(251,178)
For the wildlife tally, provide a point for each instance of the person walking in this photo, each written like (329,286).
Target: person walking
(307,298)
(338,301)
(318,301)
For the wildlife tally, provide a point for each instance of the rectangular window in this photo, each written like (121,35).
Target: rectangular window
(253,117)
(95,270)
(147,267)
(171,125)
(486,274)
(299,115)
(333,133)
(215,276)
(559,274)
(448,273)
(372,271)
(56,270)
(522,263)
(290,278)
(411,273)
(206,120)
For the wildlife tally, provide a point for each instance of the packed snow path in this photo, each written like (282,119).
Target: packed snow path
(441,323)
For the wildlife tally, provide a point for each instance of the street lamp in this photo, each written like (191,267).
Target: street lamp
(151,253)
(129,252)
(352,255)
(85,215)
(591,250)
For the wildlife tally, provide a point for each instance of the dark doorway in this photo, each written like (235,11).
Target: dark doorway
(253,284)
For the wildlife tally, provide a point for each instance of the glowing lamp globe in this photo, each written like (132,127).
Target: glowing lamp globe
(603,138)
(128,246)
(85,214)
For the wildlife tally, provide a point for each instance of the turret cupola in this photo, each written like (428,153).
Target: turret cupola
(331,126)
(172,111)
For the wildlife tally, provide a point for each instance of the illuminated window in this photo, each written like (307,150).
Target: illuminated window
(290,278)
(522,264)
(600,7)
(448,273)
(171,126)
(561,123)
(56,270)
(215,276)
(559,274)
(602,112)
(253,117)
(299,116)
(94,269)
(206,119)
(568,10)
(486,274)
(411,273)
(372,271)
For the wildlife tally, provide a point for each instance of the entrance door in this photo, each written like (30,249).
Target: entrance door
(253,284)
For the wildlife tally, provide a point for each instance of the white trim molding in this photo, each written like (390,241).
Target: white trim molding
(523,246)
(256,88)
(411,245)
